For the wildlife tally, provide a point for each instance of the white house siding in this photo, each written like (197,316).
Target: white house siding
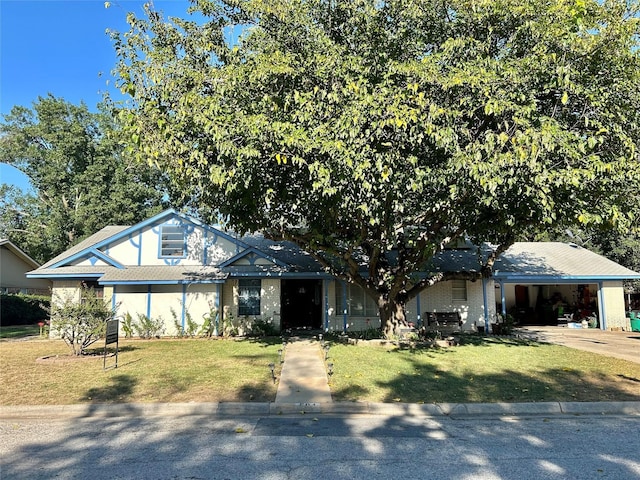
(439,298)
(132,300)
(269,304)
(143,248)
(200,299)
(612,296)
(65,290)
(434,299)
(164,299)
(270,301)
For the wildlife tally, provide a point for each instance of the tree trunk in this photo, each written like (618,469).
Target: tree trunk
(392,316)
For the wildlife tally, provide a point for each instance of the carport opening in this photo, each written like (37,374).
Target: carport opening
(549,304)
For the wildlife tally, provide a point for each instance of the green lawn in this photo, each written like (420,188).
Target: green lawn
(19,331)
(485,369)
(148,371)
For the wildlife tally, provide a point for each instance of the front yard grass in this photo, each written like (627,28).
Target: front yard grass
(485,369)
(148,371)
(19,331)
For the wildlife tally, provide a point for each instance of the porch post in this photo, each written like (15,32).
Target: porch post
(325,286)
(419,319)
(184,304)
(485,304)
(113,298)
(218,309)
(148,301)
(602,311)
(344,306)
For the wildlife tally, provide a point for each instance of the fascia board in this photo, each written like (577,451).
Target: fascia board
(508,278)
(159,282)
(299,275)
(87,252)
(74,276)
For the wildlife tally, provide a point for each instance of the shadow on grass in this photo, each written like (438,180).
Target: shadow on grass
(430,384)
(432,375)
(264,341)
(487,341)
(119,390)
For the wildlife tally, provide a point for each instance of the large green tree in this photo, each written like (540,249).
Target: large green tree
(374,133)
(81,177)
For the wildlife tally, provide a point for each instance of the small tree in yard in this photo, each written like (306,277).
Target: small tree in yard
(83,323)
(375,133)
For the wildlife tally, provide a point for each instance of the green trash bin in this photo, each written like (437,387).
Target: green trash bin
(635,325)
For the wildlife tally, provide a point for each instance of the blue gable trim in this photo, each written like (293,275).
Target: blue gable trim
(253,251)
(91,254)
(65,276)
(523,278)
(158,219)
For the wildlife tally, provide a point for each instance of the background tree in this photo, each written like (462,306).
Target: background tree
(79,172)
(375,133)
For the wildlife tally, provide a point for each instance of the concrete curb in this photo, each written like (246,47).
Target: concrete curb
(452,410)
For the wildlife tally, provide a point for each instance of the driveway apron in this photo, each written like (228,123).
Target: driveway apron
(623,345)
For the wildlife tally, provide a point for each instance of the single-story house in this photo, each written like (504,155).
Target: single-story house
(14,264)
(173,265)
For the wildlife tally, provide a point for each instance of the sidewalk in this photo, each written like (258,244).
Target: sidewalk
(303,380)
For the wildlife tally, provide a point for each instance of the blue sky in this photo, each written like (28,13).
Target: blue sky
(60,47)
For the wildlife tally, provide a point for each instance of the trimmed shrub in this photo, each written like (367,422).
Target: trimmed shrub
(24,309)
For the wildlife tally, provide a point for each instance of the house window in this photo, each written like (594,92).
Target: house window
(172,241)
(359,304)
(93,287)
(248,297)
(459,290)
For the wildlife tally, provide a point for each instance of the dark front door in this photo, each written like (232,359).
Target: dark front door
(301,304)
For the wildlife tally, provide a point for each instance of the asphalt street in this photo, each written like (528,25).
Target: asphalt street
(304,446)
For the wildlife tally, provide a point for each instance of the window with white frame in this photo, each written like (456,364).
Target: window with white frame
(459,290)
(172,241)
(249,297)
(359,304)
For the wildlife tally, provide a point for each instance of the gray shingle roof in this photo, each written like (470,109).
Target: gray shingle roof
(88,242)
(164,274)
(557,259)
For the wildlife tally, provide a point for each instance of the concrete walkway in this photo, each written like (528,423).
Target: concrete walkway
(623,345)
(303,380)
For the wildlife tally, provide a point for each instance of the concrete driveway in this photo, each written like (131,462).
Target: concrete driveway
(624,345)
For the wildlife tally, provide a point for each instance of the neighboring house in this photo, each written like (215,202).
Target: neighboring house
(14,264)
(173,264)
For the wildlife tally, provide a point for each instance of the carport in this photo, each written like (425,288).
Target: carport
(541,282)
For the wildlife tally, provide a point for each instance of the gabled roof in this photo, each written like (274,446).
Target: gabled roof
(252,253)
(557,261)
(87,244)
(111,234)
(9,245)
